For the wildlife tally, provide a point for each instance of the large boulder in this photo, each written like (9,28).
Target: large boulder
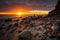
(26,35)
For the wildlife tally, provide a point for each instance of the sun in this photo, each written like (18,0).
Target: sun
(19,13)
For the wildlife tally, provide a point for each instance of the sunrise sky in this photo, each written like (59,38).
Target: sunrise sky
(15,6)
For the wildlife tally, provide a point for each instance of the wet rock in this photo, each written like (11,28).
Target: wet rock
(8,20)
(19,31)
(16,25)
(25,36)
(9,26)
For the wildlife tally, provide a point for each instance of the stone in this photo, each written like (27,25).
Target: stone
(25,36)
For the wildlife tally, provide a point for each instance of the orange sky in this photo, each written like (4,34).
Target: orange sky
(19,10)
(23,12)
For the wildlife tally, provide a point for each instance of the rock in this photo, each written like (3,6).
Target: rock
(25,36)
(8,20)
(56,11)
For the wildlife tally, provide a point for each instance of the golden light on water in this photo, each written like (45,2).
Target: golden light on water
(39,12)
(33,12)
(20,13)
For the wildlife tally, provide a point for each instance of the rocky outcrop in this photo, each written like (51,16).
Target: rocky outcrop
(56,11)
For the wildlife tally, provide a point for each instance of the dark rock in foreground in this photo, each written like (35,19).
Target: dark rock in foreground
(25,36)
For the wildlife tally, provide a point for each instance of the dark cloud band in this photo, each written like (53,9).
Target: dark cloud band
(43,4)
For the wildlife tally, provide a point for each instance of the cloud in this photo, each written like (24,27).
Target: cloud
(38,4)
